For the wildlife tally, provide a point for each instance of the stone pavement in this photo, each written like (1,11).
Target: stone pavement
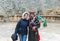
(52,33)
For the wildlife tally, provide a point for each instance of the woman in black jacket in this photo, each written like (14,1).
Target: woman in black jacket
(22,25)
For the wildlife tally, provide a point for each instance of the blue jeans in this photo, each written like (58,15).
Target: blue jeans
(22,37)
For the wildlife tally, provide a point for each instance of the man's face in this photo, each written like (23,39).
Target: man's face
(32,15)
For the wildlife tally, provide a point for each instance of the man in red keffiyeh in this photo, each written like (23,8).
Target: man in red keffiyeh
(34,24)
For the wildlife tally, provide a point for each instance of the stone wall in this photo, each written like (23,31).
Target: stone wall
(14,7)
(52,14)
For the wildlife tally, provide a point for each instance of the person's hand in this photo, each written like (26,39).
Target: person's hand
(45,27)
(33,28)
(30,22)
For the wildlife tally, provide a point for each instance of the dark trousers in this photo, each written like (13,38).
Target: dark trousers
(32,36)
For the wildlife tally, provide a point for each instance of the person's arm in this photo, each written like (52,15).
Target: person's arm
(17,26)
(37,23)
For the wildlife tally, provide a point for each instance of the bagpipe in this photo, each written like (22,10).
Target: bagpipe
(34,23)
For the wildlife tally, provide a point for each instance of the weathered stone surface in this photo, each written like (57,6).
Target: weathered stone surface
(17,7)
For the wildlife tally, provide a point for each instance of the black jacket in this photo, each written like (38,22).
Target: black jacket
(21,27)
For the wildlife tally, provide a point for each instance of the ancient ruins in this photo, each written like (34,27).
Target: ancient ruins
(11,10)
